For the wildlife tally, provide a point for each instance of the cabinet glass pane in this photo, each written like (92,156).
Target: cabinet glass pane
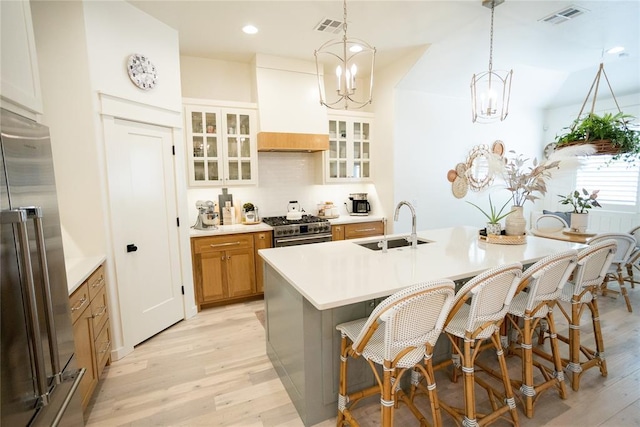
(244,124)
(356,169)
(232,124)
(356,150)
(333,149)
(232,147)
(365,131)
(196,122)
(342,149)
(246,170)
(357,134)
(198,147)
(233,170)
(342,129)
(333,169)
(198,170)
(343,169)
(212,170)
(212,146)
(332,128)
(245,147)
(365,170)
(365,150)
(210,119)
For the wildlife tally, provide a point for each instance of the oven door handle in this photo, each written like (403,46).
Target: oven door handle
(302,239)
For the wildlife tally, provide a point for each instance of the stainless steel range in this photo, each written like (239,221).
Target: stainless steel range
(309,229)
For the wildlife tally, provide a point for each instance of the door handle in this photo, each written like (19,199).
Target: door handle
(131,247)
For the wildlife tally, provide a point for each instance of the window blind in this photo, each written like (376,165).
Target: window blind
(617,181)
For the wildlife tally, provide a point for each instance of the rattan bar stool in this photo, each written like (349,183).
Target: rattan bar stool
(477,313)
(634,259)
(537,294)
(398,335)
(626,245)
(581,293)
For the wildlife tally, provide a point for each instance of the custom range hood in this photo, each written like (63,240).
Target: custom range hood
(290,116)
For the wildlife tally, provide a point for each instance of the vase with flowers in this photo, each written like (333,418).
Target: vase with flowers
(525,183)
(581,201)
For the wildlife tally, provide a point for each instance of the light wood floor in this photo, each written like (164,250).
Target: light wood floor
(212,370)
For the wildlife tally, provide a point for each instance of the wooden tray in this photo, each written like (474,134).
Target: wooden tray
(570,232)
(504,240)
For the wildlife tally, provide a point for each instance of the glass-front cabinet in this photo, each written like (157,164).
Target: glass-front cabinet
(221,145)
(349,154)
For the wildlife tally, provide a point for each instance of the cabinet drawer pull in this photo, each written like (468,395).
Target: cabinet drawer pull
(224,244)
(103,310)
(79,304)
(98,282)
(362,230)
(105,348)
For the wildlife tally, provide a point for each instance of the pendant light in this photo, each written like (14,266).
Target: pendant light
(352,61)
(490,90)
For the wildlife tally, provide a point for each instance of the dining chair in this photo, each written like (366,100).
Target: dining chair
(478,312)
(537,294)
(581,292)
(397,336)
(626,246)
(550,222)
(634,259)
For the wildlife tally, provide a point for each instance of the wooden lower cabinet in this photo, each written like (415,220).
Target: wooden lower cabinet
(261,240)
(357,230)
(91,332)
(225,268)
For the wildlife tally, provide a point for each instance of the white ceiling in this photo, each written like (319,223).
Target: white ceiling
(553,64)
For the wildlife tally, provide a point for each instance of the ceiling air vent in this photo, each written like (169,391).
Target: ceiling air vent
(564,15)
(329,26)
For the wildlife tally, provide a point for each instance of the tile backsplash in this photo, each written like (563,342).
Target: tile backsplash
(283,177)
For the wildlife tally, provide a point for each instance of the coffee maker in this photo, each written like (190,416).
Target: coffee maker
(359,204)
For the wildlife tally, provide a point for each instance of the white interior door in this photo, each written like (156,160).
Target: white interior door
(142,198)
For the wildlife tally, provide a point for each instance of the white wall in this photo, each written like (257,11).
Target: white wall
(433,134)
(212,79)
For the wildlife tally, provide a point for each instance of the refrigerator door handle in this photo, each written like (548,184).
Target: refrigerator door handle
(18,217)
(35,213)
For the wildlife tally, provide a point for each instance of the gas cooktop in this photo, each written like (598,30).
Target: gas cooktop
(275,221)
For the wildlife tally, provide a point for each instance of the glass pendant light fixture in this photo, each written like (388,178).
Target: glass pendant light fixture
(353,61)
(490,90)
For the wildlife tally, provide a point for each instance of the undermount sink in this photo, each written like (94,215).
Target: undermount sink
(398,242)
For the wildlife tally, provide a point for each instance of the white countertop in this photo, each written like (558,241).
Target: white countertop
(79,270)
(338,273)
(351,219)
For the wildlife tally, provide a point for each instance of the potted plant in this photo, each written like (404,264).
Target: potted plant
(525,183)
(581,202)
(609,133)
(249,212)
(493,216)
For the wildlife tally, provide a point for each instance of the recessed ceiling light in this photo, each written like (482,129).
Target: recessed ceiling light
(616,49)
(355,48)
(249,29)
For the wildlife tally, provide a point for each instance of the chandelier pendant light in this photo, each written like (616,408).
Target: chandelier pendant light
(353,61)
(490,90)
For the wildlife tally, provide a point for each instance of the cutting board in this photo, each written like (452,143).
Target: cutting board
(222,199)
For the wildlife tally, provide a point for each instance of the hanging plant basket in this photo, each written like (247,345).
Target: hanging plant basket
(608,133)
(602,146)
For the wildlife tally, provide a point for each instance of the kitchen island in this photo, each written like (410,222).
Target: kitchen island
(310,289)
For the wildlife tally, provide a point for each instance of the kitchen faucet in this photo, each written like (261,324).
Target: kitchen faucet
(413,239)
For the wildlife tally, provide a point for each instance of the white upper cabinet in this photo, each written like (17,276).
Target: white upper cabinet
(20,86)
(349,156)
(221,145)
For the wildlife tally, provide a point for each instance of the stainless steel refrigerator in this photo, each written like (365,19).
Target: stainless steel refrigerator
(39,378)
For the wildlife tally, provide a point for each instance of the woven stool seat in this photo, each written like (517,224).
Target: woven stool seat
(399,335)
(537,294)
(477,313)
(626,246)
(581,293)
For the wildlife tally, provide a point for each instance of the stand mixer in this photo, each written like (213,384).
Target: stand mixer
(207,216)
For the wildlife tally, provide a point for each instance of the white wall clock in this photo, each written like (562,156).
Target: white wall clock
(142,72)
